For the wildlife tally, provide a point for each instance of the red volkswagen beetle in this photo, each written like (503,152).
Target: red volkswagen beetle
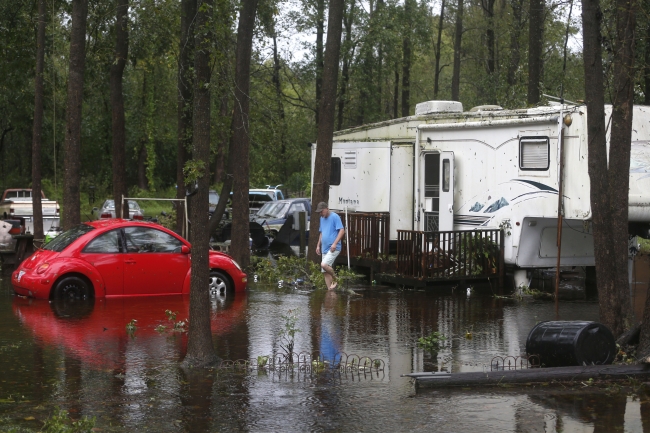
(117,257)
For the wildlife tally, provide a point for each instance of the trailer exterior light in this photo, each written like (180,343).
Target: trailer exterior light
(568,120)
(517,223)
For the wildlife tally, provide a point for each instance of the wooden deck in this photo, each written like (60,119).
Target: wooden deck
(422,258)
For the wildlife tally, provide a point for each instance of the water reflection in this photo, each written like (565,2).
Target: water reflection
(82,358)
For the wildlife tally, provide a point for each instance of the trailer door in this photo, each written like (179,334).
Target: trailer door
(446,208)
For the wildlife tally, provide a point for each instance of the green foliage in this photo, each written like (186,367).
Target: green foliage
(291,269)
(644,246)
(432,342)
(481,253)
(193,170)
(60,422)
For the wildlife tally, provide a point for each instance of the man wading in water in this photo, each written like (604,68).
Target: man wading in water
(331,233)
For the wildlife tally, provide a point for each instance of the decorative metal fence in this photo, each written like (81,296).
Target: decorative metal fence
(450,254)
(309,363)
(500,363)
(368,234)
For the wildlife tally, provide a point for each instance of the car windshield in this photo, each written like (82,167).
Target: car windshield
(264,210)
(133,205)
(277,210)
(60,242)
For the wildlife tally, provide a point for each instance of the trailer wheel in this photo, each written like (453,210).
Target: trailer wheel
(72,287)
(219,284)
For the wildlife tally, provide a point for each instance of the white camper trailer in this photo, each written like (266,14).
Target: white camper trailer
(445,169)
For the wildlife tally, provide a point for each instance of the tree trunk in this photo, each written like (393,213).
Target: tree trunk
(345,73)
(406,60)
(489,35)
(117,104)
(282,127)
(320,29)
(607,250)
(323,163)
(515,35)
(646,68)
(535,43)
(458,35)
(38,125)
(72,160)
(222,145)
(200,350)
(619,162)
(396,93)
(239,247)
(224,196)
(184,102)
(438,42)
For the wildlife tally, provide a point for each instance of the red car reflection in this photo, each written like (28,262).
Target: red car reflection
(94,330)
(118,257)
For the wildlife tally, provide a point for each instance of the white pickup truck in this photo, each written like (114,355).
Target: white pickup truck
(16,204)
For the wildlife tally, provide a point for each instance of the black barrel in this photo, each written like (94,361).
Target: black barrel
(568,343)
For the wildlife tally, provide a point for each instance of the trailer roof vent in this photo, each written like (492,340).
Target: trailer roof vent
(486,108)
(438,107)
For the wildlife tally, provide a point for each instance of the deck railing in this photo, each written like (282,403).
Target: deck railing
(367,234)
(450,254)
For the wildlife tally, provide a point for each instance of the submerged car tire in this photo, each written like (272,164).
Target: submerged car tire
(220,284)
(72,287)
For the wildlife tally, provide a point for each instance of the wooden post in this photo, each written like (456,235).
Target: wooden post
(501,261)
(302,217)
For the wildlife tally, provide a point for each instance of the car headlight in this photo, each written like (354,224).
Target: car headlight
(42,268)
(236,264)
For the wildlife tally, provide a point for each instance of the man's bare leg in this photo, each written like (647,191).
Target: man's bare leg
(329,275)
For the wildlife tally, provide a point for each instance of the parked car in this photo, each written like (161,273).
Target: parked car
(9,228)
(273,215)
(16,204)
(116,257)
(108,210)
(258,197)
(213,200)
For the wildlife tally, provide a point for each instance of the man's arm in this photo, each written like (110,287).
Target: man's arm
(320,237)
(338,238)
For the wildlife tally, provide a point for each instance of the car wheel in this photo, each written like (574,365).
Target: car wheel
(72,287)
(219,284)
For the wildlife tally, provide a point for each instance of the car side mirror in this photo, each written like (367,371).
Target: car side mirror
(185,249)
(94,210)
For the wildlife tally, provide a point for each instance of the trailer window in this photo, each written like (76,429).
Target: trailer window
(335,174)
(534,153)
(446,175)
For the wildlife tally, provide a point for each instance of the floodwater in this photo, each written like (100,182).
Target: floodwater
(83,359)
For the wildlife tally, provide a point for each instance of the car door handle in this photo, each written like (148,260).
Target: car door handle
(129,262)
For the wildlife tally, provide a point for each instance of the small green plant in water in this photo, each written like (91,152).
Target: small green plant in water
(131,326)
(60,422)
(432,342)
(262,361)
(317,365)
(180,326)
(171,315)
(289,332)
